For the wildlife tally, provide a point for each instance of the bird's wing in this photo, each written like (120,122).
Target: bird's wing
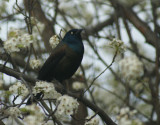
(48,68)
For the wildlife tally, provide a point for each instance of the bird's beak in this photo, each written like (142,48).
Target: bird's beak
(79,31)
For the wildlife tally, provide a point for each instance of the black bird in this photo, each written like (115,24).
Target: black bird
(64,59)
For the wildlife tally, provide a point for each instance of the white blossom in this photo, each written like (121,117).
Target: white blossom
(124,111)
(78,85)
(13,112)
(116,109)
(36,117)
(35,63)
(126,117)
(17,39)
(93,121)
(14,33)
(125,121)
(19,89)
(27,39)
(66,5)
(117,44)
(132,113)
(11,45)
(131,67)
(48,123)
(139,86)
(137,122)
(66,105)
(54,40)
(48,90)
(32,120)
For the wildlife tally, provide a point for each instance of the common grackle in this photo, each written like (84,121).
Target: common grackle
(64,59)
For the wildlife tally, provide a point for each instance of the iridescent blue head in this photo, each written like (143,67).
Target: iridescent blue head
(74,40)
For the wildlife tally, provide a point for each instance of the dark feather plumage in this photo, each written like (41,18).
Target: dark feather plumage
(64,59)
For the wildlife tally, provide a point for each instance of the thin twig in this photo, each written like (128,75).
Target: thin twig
(29,55)
(92,117)
(86,102)
(50,112)
(102,72)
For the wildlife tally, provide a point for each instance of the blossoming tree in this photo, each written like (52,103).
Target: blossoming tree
(118,81)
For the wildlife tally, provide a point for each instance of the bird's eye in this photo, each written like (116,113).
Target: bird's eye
(71,33)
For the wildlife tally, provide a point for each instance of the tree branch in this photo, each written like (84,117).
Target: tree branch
(86,102)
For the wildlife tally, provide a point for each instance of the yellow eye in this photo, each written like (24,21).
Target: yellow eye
(72,33)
